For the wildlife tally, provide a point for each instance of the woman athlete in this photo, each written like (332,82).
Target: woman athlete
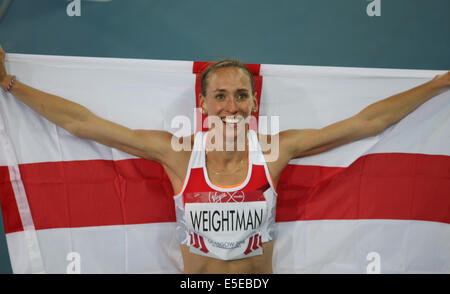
(225,196)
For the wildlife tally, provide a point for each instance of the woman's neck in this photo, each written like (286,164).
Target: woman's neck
(226,159)
(227,153)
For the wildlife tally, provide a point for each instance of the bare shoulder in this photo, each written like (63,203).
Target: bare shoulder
(274,154)
(176,162)
(178,153)
(275,146)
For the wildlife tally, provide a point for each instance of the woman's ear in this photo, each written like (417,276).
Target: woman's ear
(255,103)
(202,103)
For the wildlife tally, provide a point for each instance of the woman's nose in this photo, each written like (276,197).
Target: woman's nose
(231,106)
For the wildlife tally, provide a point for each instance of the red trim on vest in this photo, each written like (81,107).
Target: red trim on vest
(197,181)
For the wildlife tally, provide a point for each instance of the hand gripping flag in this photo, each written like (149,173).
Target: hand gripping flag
(381,204)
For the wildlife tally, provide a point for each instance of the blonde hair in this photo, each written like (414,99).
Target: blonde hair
(222,64)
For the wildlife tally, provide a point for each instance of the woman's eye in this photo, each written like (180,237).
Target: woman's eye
(220,97)
(242,96)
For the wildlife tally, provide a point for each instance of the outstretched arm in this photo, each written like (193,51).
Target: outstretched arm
(370,121)
(82,123)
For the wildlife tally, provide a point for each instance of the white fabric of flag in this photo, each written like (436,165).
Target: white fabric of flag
(46,220)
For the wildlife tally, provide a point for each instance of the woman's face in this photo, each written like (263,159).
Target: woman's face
(230,100)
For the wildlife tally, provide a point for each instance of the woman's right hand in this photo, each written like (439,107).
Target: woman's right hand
(3,74)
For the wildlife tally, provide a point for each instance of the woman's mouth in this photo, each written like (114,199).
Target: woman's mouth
(232,119)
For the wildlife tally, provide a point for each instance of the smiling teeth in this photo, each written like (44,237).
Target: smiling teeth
(231,120)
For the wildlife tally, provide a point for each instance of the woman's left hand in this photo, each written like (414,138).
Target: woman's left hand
(442,80)
(3,73)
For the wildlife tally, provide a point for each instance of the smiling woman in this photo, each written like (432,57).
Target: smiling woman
(228,95)
(225,207)
(225,199)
